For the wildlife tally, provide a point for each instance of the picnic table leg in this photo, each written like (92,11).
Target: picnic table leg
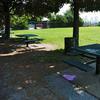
(26,44)
(26,38)
(97,65)
(68,42)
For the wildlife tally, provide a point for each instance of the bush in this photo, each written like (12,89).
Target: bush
(19,26)
(63,21)
(98,24)
(59,21)
(70,18)
(19,22)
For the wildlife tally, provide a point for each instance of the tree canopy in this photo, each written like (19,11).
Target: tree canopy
(26,7)
(86,5)
(65,20)
(32,7)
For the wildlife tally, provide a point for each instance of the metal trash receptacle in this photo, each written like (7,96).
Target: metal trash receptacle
(68,44)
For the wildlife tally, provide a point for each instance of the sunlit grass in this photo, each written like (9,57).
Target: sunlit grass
(56,36)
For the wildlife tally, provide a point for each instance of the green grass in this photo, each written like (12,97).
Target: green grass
(56,36)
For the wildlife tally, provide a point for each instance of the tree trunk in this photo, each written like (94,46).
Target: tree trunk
(7,22)
(76,24)
(35,25)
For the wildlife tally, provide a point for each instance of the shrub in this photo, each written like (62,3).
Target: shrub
(65,20)
(60,21)
(98,24)
(19,22)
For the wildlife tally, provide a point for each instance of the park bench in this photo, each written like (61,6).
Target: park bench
(82,66)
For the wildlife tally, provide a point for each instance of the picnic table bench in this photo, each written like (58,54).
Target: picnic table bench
(80,65)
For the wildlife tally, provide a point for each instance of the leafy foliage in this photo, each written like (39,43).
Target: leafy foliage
(33,7)
(19,22)
(57,21)
(70,18)
(86,5)
(99,24)
(65,20)
(26,7)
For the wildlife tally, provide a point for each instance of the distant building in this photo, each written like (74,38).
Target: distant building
(31,25)
(38,25)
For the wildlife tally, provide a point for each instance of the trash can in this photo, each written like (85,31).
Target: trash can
(68,44)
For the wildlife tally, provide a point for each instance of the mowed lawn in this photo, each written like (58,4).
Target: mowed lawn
(55,36)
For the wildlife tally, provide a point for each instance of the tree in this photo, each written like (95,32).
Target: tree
(70,18)
(81,5)
(57,20)
(65,20)
(98,24)
(19,22)
(26,7)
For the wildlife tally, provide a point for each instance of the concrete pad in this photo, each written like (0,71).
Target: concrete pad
(86,80)
(66,89)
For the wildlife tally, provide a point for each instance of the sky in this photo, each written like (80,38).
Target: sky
(92,17)
(64,9)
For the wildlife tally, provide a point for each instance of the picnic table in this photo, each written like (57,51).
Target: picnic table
(26,38)
(92,49)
